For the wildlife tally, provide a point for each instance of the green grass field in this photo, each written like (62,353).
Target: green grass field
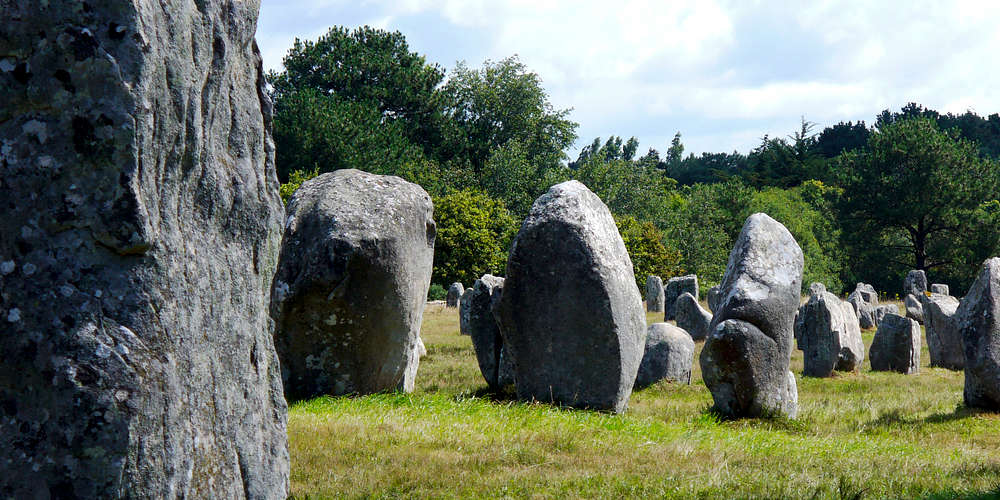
(858,435)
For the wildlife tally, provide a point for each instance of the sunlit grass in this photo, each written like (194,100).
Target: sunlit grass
(858,435)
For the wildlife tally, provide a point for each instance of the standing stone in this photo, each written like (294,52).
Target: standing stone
(745,359)
(486,338)
(570,310)
(828,334)
(140,232)
(713,298)
(883,310)
(654,294)
(864,310)
(351,285)
(915,283)
(944,340)
(455,292)
(673,289)
(867,292)
(914,310)
(979,322)
(463,312)
(816,289)
(669,355)
(941,289)
(691,317)
(896,346)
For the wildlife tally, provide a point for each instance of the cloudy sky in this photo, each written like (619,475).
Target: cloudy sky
(723,73)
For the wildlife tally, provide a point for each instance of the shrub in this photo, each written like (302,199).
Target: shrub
(474,233)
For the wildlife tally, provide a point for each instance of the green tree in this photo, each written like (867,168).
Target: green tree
(646,247)
(502,102)
(911,198)
(474,233)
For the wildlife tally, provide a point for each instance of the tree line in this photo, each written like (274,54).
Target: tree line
(917,189)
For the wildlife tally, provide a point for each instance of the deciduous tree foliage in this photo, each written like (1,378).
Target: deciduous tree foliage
(474,233)
(650,256)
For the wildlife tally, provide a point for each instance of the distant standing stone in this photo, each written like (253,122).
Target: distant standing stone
(944,340)
(867,292)
(669,355)
(654,294)
(979,322)
(745,359)
(882,311)
(486,338)
(914,309)
(816,288)
(455,292)
(864,310)
(713,298)
(691,317)
(896,346)
(570,310)
(351,285)
(829,336)
(915,283)
(463,312)
(674,288)
(939,288)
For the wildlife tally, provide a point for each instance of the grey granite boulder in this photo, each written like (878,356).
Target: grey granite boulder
(570,310)
(691,317)
(896,346)
(915,283)
(864,310)
(829,336)
(487,341)
(941,289)
(914,309)
(139,235)
(944,340)
(463,312)
(816,288)
(867,292)
(654,294)
(455,292)
(979,323)
(351,284)
(669,355)
(883,310)
(673,289)
(745,359)
(713,298)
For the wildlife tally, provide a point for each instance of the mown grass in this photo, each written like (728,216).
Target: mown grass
(858,435)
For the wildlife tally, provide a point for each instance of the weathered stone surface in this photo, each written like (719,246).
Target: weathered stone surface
(486,338)
(940,289)
(864,310)
(713,298)
(828,334)
(669,355)
(896,346)
(746,356)
(867,292)
(944,340)
(654,294)
(979,322)
(914,309)
(816,288)
(881,311)
(570,310)
(140,231)
(691,317)
(455,292)
(463,312)
(673,289)
(915,283)
(351,284)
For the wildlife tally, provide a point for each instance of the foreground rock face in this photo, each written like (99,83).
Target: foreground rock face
(691,317)
(915,283)
(673,289)
(493,357)
(745,359)
(455,292)
(979,323)
(896,346)
(828,334)
(654,294)
(669,355)
(351,284)
(140,232)
(914,309)
(570,310)
(944,340)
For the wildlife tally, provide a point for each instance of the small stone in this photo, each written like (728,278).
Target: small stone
(487,341)
(463,312)
(914,309)
(944,340)
(940,289)
(669,355)
(455,292)
(14,315)
(7,267)
(691,317)
(915,283)
(816,288)
(654,294)
(829,336)
(896,346)
(882,310)
(29,269)
(673,289)
(713,298)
